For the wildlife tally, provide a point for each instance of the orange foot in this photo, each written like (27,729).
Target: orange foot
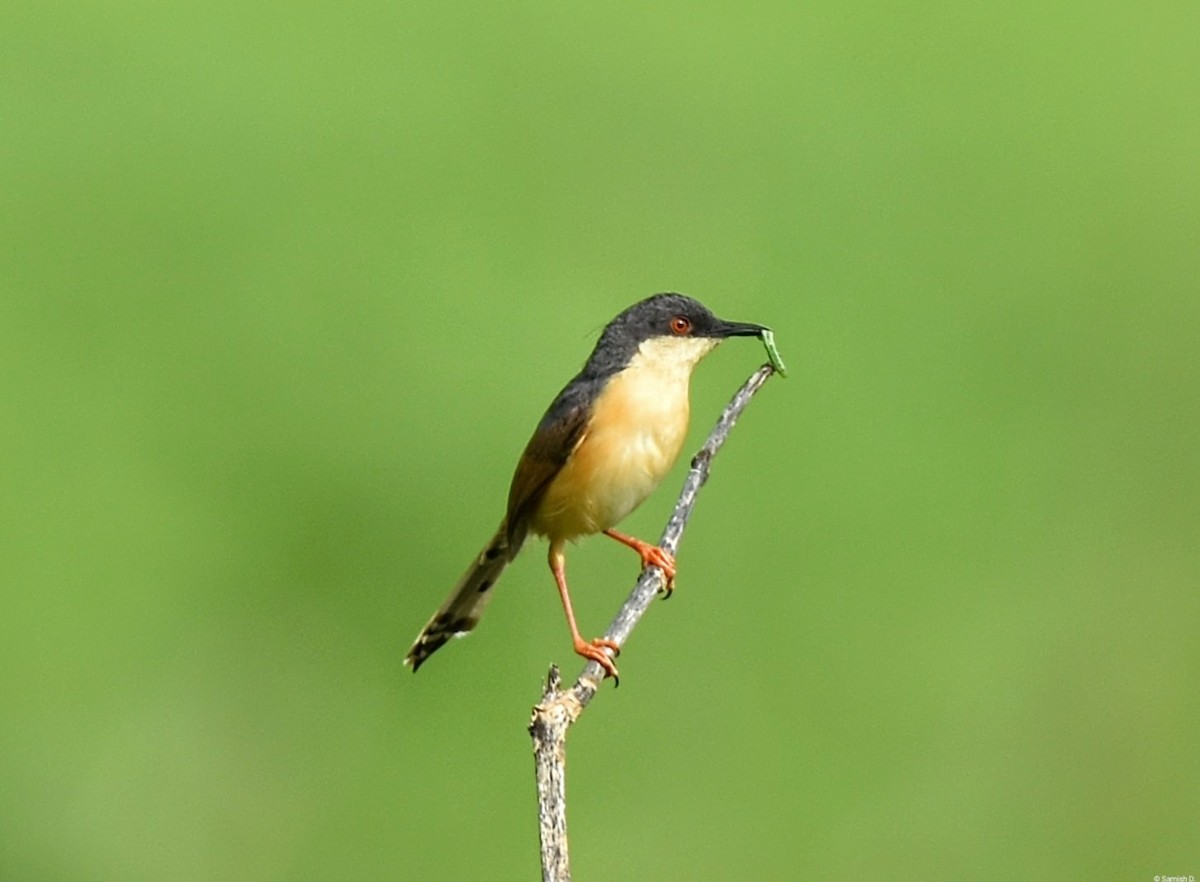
(593,650)
(651,555)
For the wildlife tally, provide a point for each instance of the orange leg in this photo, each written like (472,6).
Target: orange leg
(592,650)
(651,555)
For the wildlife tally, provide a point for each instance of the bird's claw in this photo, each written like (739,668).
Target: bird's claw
(593,650)
(653,556)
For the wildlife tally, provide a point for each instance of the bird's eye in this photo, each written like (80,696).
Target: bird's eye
(681,325)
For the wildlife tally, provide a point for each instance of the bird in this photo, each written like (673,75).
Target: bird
(601,448)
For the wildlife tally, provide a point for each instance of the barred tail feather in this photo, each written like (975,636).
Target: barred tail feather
(464,607)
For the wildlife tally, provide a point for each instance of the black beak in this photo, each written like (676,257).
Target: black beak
(739,329)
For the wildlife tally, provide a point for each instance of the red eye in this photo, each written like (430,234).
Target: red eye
(681,325)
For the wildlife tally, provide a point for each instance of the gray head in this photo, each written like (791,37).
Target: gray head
(678,325)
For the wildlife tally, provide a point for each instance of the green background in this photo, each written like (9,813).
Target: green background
(285,286)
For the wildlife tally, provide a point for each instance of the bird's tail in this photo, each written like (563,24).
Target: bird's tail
(464,607)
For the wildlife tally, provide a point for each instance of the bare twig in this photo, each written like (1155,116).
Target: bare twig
(559,708)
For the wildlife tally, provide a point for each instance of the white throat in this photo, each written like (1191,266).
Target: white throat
(671,359)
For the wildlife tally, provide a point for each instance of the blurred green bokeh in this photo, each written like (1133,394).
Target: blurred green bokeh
(284,288)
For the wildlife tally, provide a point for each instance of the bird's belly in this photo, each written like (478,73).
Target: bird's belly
(631,444)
